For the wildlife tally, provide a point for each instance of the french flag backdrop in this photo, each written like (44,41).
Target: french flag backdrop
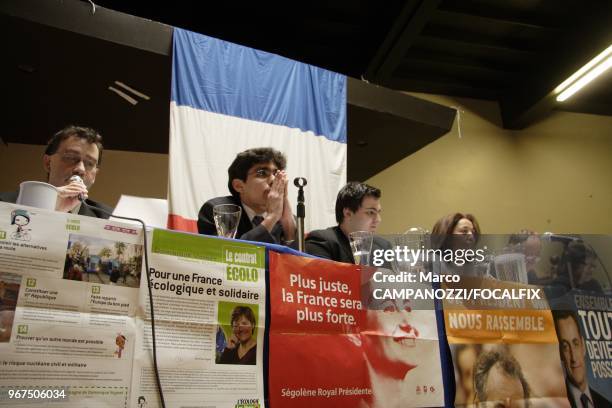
(227,98)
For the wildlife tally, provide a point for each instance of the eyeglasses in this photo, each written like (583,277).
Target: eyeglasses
(73,159)
(265,172)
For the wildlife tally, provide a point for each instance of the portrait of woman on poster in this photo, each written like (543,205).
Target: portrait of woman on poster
(399,358)
(241,347)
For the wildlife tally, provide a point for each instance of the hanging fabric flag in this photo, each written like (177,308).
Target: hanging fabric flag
(227,98)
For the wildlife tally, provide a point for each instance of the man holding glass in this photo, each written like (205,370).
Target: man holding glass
(357,209)
(73,151)
(258,184)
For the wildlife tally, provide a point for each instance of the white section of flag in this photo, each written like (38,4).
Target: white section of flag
(203,145)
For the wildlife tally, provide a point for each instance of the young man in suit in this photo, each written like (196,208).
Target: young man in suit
(258,183)
(357,209)
(73,151)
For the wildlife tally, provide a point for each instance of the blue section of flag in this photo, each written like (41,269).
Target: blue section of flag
(221,77)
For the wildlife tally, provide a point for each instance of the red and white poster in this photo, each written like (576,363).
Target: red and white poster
(333,345)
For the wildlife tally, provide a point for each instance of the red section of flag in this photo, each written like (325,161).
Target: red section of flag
(178,223)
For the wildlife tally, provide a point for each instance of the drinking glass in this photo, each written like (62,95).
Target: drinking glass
(227,218)
(361,245)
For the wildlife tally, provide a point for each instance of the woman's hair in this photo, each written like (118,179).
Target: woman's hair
(443,229)
(245,311)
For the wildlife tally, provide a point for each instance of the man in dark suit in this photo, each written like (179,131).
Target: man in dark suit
(357,209)
(73,151)
(573,353)
(258,183)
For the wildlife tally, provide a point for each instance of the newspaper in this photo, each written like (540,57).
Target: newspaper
(199,285)
(75,317)
(68,302)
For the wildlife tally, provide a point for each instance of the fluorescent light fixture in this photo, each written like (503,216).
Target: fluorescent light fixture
(132,90)
(123,95)
(585,75)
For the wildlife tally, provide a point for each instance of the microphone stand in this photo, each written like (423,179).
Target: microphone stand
(300,182)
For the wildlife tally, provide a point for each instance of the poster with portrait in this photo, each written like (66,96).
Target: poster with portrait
(583,320)
(333,345)
(505,352)
(209,306)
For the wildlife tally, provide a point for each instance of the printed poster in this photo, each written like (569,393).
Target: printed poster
(584,328)
(333,345)
(505,352)
(209,306)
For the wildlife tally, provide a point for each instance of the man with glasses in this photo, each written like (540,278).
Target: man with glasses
(357,209)
(258,183)
(73,151)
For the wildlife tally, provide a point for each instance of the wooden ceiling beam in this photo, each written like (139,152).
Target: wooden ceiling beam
(401,36)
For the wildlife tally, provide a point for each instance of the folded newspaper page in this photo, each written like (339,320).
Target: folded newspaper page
(209,304)
(68,301)
(75,328)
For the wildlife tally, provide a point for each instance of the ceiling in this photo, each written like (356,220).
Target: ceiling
(62,58)
(512,51)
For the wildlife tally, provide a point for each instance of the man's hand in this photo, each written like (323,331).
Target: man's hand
(276,197)
(287,220)
(68,195)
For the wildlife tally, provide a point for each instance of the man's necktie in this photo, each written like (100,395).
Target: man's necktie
(257,220)
(585,401)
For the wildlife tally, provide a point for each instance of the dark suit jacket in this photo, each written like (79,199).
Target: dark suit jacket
(331,243)
(598,400)
(206,223)
(11,197)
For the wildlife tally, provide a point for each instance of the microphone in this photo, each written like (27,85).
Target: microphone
(549,236)
(300,182)
(78,179)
